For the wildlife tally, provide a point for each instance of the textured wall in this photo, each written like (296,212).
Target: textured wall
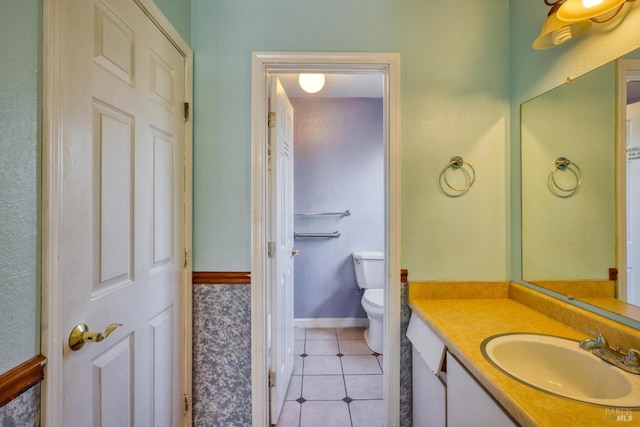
(455,81)
(179,13)
(339,165)
(20,73)
(221,355)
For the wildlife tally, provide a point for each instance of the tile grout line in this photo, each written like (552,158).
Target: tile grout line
(342,372)
(344,380)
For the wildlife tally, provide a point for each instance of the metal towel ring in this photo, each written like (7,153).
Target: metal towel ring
(457,163)
(562,164)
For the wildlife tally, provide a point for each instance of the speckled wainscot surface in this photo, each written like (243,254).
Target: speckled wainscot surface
(406,387)
(23,411)
(221,355)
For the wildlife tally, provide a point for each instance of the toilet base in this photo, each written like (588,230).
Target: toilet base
(373,336)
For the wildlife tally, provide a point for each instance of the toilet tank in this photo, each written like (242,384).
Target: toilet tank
(369,268)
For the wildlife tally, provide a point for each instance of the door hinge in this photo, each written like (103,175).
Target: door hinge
(272,379)
(271,122)
(186,403)
(186,111)
(186,257)
(271,249)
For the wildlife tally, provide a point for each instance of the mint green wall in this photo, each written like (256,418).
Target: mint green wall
(20,107)
(535,72)
(454,102)
(179,13)
(570,235)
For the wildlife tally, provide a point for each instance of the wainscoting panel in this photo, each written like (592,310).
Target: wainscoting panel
(406,384)
(221,355)
(23,411)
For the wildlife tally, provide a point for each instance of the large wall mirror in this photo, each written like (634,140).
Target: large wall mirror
(578,140)
(20,176)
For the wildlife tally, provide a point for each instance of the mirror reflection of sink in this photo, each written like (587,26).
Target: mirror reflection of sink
(558,366)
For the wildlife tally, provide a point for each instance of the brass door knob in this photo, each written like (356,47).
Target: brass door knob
(295,252)
(81,335)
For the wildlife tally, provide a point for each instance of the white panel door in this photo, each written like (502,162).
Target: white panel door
(281,229)
(121,215)
(633,203)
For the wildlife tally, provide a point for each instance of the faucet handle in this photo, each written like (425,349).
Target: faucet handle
(632,358)
(589,343)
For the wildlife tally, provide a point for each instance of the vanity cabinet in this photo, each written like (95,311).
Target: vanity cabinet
(445,394)
(468,403)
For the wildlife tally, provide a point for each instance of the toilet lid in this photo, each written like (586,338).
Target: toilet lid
(375,297)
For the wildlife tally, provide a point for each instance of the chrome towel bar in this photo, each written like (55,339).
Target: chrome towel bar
(345,213)
(329,235)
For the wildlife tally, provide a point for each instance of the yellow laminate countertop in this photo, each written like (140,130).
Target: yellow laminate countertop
(462,325)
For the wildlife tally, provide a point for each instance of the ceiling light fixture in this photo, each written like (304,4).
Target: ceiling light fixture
(569,19)
(311,83)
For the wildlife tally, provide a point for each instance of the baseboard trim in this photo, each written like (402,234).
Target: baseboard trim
(332,322)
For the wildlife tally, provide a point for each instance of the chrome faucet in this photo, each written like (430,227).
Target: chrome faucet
(629,361)
(591,343)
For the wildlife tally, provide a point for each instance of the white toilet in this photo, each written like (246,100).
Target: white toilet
(369,267)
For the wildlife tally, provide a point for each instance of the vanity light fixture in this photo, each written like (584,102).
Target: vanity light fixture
(311,82)
(555,31)
(569,19)
(580,10)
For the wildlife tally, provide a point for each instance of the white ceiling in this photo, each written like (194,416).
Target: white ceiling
(353,85)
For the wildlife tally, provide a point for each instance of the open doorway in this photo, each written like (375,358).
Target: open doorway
(338,187)
(266,66)
(338,227)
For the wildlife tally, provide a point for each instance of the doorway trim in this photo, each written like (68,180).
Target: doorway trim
(52,334)
(262,63)
(625,68)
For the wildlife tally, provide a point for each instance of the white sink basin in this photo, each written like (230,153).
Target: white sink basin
(559,366)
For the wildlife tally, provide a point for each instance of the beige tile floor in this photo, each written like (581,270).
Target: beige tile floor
(337,381)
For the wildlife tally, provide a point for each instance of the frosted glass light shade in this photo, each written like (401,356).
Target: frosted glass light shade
(311,83)
(555,32)
(580,10)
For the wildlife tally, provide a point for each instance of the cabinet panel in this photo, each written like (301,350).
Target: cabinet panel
(429,395)
(468,404)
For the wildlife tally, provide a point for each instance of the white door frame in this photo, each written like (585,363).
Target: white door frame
(262,64)
(53,336)
(624,68)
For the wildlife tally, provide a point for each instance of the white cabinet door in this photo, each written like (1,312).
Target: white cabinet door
(429,389)
(468,404)
(429,395)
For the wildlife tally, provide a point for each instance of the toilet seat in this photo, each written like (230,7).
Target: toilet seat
(374,297)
